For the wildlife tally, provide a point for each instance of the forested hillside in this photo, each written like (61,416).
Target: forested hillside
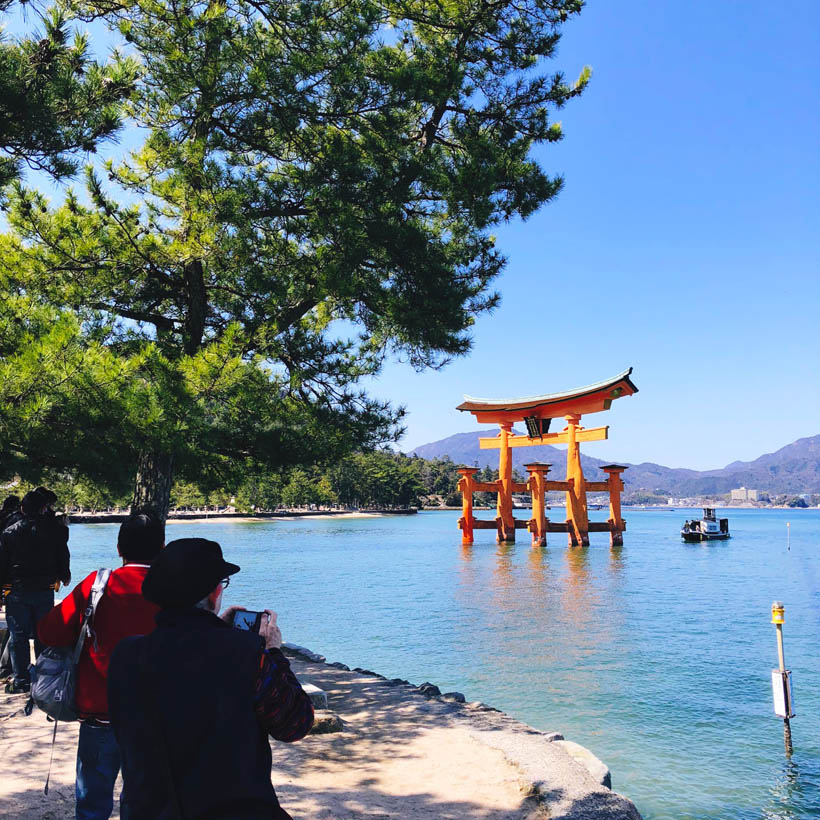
(794,468)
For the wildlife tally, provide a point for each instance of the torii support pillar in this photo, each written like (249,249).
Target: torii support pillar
(616,486)
(577,517)
(467,486)
(505,520)
(537,486)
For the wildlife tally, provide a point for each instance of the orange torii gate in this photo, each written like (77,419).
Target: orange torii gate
(537,413)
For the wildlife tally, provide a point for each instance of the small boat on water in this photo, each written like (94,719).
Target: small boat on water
(708,528)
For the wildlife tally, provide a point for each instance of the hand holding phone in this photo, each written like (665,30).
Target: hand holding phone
(270,630)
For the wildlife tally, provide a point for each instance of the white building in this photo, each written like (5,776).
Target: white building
(742,494)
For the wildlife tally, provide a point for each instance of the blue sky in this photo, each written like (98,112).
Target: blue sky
(685,243)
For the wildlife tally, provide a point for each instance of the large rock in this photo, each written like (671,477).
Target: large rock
(597,768)
(325,723)
(295,649)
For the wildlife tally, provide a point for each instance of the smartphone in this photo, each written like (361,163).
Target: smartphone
(245,619)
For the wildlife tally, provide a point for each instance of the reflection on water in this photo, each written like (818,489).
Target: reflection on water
(538,567)
(786,794)
(616,560)
(578,565)
(504,566)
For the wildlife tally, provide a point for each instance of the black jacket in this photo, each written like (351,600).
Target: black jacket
(9,518)
(34,553)
(192,680)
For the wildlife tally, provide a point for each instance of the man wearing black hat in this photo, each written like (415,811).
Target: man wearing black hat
(192,704)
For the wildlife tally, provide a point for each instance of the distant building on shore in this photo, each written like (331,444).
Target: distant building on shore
(743,494)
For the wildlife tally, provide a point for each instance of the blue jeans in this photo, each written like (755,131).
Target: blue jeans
(98,763)
(24,607)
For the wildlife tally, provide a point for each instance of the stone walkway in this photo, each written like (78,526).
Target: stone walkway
(400,753)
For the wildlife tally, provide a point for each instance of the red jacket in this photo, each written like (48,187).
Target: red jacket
(122,611)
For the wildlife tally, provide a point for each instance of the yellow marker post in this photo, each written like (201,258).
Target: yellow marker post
(781,679)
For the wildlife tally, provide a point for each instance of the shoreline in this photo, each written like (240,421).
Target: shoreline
(379,748)
(557,778)
(239,517)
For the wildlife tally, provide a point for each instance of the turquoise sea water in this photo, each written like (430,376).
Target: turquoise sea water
(656,656)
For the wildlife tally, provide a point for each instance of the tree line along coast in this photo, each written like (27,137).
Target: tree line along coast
(360,481)
(371,480)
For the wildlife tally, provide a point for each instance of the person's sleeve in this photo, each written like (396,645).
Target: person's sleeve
(282,706)
(63,555)
(4,570)
(61,626)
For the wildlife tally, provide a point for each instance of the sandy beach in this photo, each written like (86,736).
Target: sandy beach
(115,517)
(395,753)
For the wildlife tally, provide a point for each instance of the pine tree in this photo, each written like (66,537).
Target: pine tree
(316,191)
(55,102)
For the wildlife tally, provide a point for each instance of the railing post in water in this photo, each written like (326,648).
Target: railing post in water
(781,679)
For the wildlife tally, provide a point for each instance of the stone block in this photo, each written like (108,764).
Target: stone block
(318,697)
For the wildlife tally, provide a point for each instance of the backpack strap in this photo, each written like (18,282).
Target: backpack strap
(97,590)
(90,608)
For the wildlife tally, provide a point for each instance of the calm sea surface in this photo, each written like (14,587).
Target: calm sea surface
(656,656)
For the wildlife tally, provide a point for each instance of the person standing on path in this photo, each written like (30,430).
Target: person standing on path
(11,505)
(192,704)
(8,513)
(33,557)
(121,612)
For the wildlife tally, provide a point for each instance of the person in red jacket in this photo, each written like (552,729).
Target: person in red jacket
(122,611)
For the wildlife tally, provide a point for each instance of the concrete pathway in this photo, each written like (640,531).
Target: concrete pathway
(399,755)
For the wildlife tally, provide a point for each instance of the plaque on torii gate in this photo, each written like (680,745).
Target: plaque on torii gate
(537,412)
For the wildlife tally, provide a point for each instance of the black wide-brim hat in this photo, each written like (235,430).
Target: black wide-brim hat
(185,572)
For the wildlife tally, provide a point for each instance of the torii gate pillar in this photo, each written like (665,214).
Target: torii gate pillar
(504,506)
(616,487)
(577,516)
(466,485)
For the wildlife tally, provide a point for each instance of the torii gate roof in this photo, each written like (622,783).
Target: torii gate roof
(590,399)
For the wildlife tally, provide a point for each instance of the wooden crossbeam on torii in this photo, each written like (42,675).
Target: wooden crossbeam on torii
(537,412)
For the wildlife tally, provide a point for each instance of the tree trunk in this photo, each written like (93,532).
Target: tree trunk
(197,305)
(152,487)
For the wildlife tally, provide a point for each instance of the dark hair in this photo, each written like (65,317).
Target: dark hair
(141,538)
(49,495)
(11,503)
(32,503)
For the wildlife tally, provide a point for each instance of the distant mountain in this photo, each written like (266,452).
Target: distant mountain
(463,448)
(794,468)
